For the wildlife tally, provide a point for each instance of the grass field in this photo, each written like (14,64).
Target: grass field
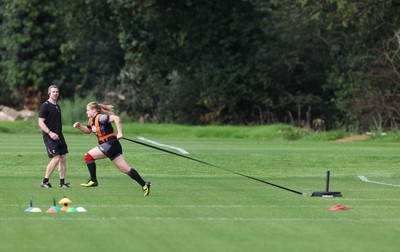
(195,207)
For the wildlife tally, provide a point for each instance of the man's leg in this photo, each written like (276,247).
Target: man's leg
(49,170)
(62,168)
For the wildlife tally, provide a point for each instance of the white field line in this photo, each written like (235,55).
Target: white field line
(363,178)
(41,205)
(174,206)
(160,144)
(75,217)
(89,207)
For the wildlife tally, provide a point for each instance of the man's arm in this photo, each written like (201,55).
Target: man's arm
(45,129)
(43,126)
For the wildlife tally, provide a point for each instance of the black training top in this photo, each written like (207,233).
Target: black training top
(52,115)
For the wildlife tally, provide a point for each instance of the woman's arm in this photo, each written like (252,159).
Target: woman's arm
(117,121)
(82,128)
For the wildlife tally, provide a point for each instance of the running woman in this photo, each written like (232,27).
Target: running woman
(50,123)
(100,119)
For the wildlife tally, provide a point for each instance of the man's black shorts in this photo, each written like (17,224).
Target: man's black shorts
(54,148)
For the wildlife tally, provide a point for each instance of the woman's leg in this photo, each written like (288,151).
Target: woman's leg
(121,164)
(89,158)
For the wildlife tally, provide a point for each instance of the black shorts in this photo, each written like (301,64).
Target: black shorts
(55,147)
(111,148)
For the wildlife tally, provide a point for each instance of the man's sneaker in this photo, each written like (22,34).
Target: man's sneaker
(89,183)
(45,185)
(66,185)
(146,189)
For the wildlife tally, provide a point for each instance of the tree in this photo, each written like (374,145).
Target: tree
(191,61)
(210,62)
(363,74)
(90,46)
(30,49)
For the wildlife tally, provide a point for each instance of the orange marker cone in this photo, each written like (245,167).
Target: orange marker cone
(65,201)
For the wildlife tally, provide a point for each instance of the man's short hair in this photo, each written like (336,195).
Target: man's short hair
(52,86)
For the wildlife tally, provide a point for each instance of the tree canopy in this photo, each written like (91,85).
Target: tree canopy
(210,62)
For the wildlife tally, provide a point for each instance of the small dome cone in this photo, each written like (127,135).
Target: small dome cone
(51,210)
(56,208)
(81,209)
(36,210)
(64,208)
(72,210)
(28,209)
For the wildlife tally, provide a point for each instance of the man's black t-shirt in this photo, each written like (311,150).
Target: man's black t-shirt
(52,115)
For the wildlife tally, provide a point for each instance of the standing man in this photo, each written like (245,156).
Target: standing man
(51,125)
